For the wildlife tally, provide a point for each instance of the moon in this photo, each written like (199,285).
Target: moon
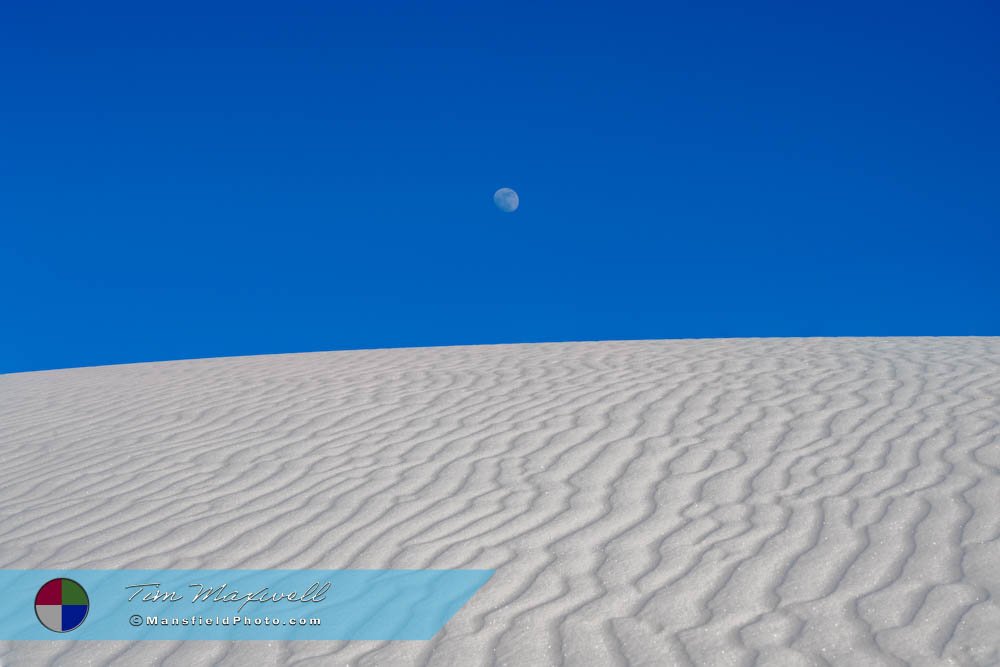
(506,200)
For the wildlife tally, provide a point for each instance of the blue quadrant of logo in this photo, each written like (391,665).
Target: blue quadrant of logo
(242,604)
(73,615)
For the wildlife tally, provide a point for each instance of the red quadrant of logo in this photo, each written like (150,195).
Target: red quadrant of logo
(50,593)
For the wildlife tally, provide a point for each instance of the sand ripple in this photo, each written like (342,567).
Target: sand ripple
(722,502)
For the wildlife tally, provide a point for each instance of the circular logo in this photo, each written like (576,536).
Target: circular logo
(61,605)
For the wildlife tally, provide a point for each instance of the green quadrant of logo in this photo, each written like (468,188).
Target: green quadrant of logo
(73,593)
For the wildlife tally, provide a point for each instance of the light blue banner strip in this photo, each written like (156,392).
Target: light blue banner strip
(233,604)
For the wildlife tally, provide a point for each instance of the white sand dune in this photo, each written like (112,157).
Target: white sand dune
(717,502)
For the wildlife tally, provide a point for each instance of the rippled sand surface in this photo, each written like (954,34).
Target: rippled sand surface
(715,502)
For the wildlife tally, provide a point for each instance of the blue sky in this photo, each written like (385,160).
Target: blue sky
(209,179)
